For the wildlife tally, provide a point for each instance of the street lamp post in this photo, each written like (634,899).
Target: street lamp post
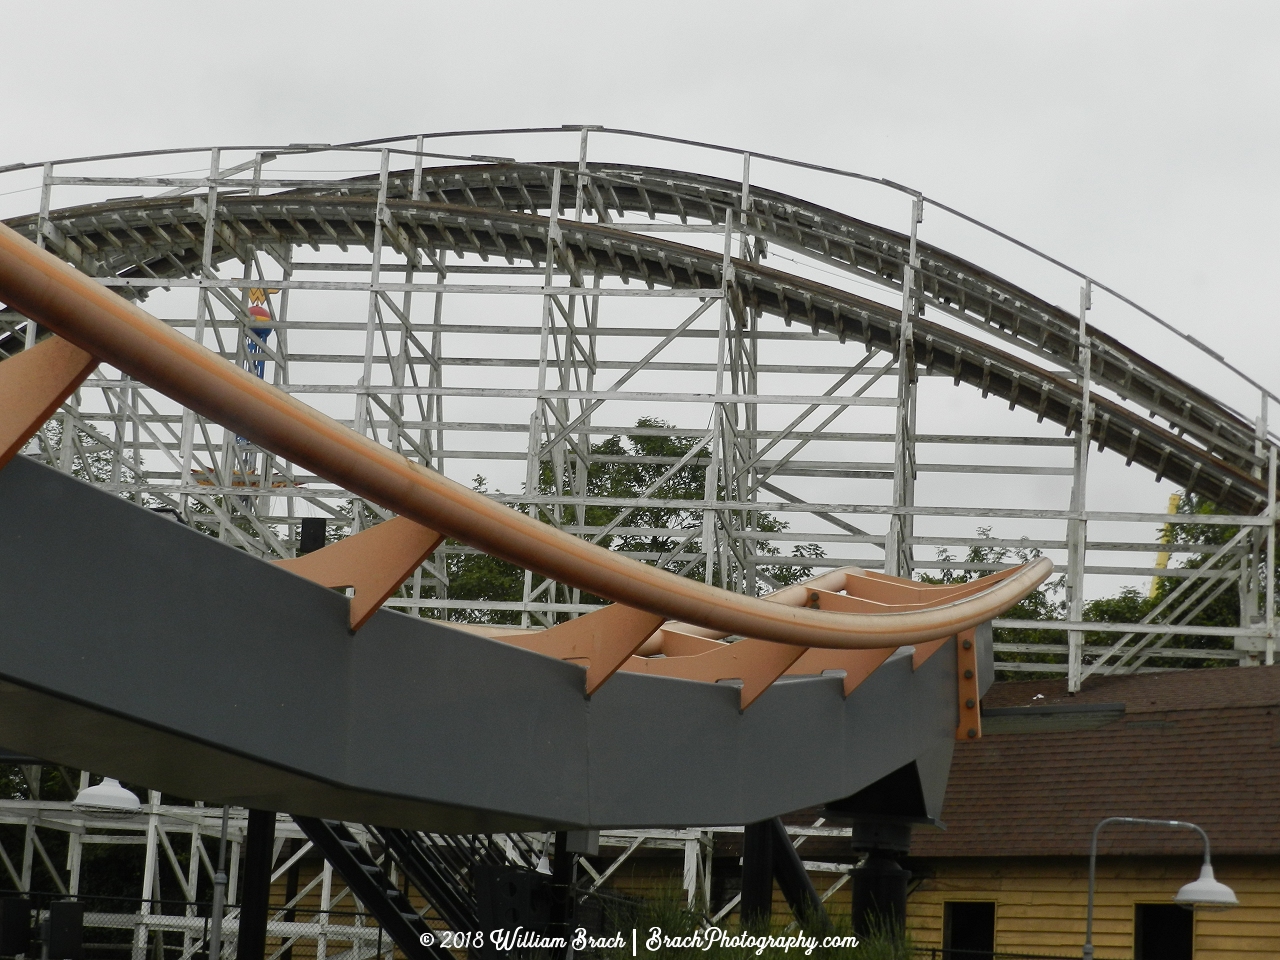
(1203,892)
(219,892)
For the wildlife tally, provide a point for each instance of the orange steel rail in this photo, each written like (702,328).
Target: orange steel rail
(49,291)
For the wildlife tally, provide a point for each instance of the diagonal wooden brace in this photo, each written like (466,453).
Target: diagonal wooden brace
(604,638)
(33,384)
(375,562)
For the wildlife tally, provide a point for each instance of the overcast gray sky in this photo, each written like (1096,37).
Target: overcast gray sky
(1137,141)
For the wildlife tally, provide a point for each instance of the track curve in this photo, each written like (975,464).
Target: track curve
(1206,448)
(127,337)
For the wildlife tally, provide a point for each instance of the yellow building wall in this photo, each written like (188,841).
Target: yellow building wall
(1041,904)
(659,878)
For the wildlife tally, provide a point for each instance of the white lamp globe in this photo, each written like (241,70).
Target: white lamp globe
(107,799)
(1206,893)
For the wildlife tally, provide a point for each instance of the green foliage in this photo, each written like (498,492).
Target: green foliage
(1044,603)
(474,575)
(633,467)
(1220,609)
(630,467)
(90,459)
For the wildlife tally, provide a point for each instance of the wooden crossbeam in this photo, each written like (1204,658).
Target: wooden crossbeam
(33,385)
(375,562)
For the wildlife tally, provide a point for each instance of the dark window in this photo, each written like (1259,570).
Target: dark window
(968,929)
(1162,931)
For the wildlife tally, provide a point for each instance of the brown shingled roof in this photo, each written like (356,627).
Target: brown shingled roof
(1198,745)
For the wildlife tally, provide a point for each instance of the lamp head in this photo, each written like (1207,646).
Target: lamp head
(108,800)
(1206,893)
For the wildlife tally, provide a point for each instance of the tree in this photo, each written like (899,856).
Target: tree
(628,467)
(1212,602)
(1043,603)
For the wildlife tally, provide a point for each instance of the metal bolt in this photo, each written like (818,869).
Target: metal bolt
(968,674)
(972,733)
(967,644)
(969,704)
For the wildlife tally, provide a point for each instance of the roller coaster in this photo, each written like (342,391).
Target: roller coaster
(695,651)
(660,625)
(755,394)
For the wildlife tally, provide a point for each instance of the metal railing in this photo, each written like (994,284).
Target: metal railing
(179,930)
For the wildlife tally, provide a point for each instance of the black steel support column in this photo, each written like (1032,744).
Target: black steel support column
(879,887)
(768,855)
(561,884)
(757,874)
(793,880)
(258,849)
(290,891)
(880,818)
